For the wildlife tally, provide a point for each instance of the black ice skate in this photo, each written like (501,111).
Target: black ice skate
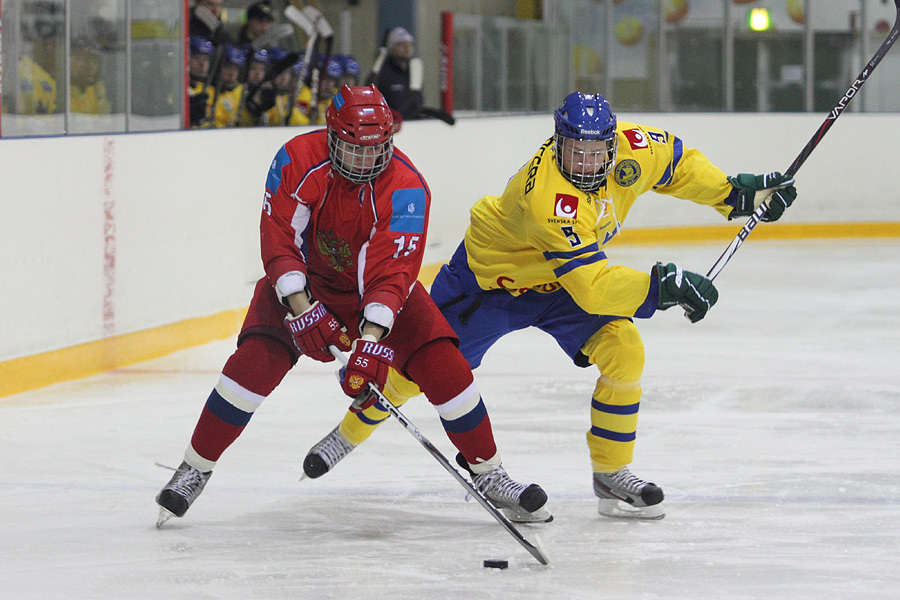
(322,457)
(519,502)
(181,491)
(625,496)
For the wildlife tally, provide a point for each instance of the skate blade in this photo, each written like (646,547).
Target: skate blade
(617,509)
(164,515)
(541,515)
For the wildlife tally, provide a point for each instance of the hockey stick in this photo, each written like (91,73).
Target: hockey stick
(326,34)
(301,77)
(212,76)
(537,549)
(316,27)
(756,217)
(437,113)
(271,36)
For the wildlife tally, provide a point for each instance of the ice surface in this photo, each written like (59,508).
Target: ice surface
(772,425)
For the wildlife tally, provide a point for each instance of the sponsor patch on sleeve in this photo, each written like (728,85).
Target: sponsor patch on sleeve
(408,211)
(636,138)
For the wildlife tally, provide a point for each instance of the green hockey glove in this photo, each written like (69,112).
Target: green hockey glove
(692,291)
(750,191)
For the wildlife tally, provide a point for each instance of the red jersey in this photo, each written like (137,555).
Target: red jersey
(351,241)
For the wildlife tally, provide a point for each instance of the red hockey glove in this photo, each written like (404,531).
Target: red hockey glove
(315,330)
(369,363)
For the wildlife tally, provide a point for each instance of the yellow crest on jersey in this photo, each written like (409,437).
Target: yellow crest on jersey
(356,382)
(627,172)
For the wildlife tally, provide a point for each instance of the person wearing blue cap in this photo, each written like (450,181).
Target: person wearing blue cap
(275,103)
(328,84)
(199,99)
(229,90)
(351,70)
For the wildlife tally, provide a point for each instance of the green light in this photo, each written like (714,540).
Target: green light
(759,19)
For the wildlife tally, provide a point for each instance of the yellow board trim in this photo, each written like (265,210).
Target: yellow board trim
(39,370)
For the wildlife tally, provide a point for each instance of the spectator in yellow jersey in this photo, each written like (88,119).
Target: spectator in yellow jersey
(257,61)
(227,95)
(329,82)
(37,89)
(37,93)
(286,96)
(198,69)
(535,256)
(88,92)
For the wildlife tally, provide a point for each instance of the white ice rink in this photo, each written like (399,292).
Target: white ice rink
(773,427)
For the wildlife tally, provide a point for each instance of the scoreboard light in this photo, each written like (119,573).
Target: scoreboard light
(759,19)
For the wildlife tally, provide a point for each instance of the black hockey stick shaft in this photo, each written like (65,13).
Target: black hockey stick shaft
(832,116)
(535,550)
(315,81)
(437,113)
(213,76)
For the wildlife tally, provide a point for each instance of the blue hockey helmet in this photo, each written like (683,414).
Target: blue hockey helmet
(351,67)
(276,54)
(260,56)
(334,69)
(585,140)
(201,45)
(234,56)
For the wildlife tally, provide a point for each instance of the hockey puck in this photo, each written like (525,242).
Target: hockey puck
(496,564)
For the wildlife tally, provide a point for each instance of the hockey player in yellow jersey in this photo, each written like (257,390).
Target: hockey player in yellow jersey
(229,90)
(88,92)
(201,53)
(274,101)
(535,257)
(37,89)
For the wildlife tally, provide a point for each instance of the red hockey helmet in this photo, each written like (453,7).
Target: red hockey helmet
(360,133)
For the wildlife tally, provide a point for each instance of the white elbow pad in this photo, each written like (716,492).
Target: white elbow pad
(290,283)
(379,314)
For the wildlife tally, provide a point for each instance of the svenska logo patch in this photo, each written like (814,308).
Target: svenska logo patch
(566,206)
(636,138)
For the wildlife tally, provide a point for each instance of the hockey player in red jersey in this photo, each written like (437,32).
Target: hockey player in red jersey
(343,230)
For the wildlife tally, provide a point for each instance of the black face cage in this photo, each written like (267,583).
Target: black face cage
(358,163)
(584,178)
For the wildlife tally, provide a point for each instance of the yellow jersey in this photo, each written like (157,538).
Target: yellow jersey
(543,233)
(37,89)
(90,100)
(275,115)
(227,105)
